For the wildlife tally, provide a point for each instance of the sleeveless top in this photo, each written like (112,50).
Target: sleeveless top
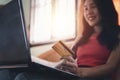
(92,53)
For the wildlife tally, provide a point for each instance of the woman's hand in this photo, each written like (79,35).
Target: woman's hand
(69,65)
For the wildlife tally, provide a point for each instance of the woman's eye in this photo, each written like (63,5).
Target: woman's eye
(85,8)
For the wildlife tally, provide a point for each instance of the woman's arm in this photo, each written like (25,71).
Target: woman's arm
(118,73)
(102,70)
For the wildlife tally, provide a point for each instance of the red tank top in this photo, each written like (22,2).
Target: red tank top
(92,53)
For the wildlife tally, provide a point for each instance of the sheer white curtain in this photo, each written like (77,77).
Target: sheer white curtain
(52,20)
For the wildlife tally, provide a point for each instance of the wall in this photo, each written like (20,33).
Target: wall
(26,6)
(3,2)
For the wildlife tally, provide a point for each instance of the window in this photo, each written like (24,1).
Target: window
(52,20)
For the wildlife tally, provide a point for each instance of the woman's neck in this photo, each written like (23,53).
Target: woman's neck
(97,29)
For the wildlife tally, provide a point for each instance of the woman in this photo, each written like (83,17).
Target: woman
(100,36)
(97,51)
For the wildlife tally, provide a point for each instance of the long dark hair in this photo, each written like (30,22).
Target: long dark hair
(109,23)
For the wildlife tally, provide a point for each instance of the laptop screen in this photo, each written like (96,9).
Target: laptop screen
(14,49)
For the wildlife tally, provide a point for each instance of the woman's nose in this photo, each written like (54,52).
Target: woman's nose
(89,11)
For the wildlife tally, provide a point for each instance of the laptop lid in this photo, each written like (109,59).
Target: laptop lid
(14,48)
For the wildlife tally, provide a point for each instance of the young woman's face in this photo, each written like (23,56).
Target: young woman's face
(91,13)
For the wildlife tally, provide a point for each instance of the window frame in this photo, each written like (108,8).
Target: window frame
(49,42)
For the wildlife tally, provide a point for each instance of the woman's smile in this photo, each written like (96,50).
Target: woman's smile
(91,18)
(91,13)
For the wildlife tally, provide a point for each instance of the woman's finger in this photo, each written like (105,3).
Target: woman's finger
(69,64)
(70,69)
(69,58)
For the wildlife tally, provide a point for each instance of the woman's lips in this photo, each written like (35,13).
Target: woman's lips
(91,18)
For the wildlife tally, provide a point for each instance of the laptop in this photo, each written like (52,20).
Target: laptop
(14,49)
(14,46)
